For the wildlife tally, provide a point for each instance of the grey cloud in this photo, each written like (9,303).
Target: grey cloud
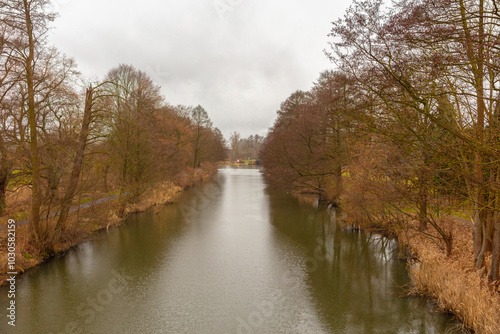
(240,66)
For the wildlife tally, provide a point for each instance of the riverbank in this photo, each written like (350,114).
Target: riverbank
(452,282)
(84,224)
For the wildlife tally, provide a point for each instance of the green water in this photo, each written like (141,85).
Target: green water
(230,257)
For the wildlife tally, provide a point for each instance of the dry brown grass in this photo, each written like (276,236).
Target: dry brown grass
(18,201)
(165,192)
(80,228)
(192,176)
(453,282)
(18,205)
(24,251)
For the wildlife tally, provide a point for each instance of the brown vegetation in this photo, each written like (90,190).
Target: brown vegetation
(405,130)
(453,282)
(61,144)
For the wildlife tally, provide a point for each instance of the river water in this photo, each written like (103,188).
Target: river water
(230,257)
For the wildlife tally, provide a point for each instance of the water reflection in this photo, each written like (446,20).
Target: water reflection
(230,257)
(355,279)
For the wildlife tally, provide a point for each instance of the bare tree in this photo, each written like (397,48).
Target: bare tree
(202,126)
(234,140)
(28,21)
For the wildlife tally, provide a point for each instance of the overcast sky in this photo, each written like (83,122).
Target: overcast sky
(239,59)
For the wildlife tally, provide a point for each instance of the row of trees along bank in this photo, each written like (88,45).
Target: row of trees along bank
(407,125)
(58,142)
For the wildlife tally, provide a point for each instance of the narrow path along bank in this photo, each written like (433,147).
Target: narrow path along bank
(74,208)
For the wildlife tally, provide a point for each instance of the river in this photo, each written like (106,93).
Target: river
(230,257)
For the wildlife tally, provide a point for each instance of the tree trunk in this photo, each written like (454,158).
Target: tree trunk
(422,207)
(77,165)
(338,182)
(489,230)
(475,54)
(4,176)
(4,179)
(196,148)
(35,160)
(495,261)
(480,238)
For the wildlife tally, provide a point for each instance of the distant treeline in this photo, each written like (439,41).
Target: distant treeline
(244,148)
(407,125)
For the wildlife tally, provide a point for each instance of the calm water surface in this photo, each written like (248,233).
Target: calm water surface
(231,257)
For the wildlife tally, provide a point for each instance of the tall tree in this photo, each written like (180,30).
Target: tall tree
(234,141)
(202,125)
(77,163)
(417,59)
(133,102)
(28,23)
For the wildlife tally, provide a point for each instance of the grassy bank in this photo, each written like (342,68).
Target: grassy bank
(451,281)
(84,224)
